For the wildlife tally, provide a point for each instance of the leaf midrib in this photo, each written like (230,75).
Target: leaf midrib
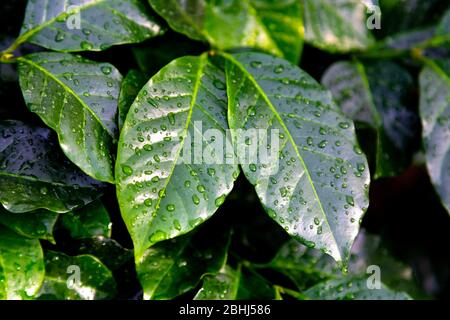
(291,139)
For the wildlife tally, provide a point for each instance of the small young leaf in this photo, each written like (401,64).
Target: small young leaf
(130,87)
(78,99)
(336,25)
(171,171)
(274,26)
(316,186)
(435,114)
(222,286)
(173,267)
(89,221)
(81,277)
(21,267)
(377,94)
(37,224)
(80,25)
(34,174)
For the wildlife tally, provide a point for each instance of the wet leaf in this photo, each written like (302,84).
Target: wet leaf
(34,174)
(336,25)
(222,286)
(316,186)
(80,25)
(351,288)
(377,94)
(37,224)
(175,266)
(89,221)
(81,277)
(129,89)
(171,171)
(273,26)
(21,267)
(435,115)
(77,98)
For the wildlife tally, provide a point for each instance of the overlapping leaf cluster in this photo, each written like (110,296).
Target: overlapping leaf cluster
(99,128)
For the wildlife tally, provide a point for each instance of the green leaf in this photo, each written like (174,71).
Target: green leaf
(274,26)
(316,186)
(352,288)
(378,94)
(130,87)
(252,286)
(79,25)
(336,25)
(222,286)
(61,278)
(89,221)
(166,187)
(34,174)
(435,115)
(77,98)
(21,266)
(175,266)
(37,224)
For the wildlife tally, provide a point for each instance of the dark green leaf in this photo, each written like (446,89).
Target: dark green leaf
(274,26)
(21,267)
(336,25)
(316,186)
(175,266)
(165,186)
(377,94)
(37,224)
(222,286)
(254,287)
(34,174)
(78,99)
(130,87)
(61,278)
(435,114)
(89,221)
(352,288)
(79,25)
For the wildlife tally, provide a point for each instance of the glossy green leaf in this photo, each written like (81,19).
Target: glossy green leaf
(79,25)
(351,288)
(435,115)
(317,186)
(77,98)
(336,25)
(21,266)
(166,187)
(377,94)
(130,87)
(222,286)
(175,266)
(89,221)
(274,26)
(37,224)
(34,174)
(81,277)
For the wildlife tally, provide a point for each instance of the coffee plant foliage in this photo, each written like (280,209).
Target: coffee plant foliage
(221,149)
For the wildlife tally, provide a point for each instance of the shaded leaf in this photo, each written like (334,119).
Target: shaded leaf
(166,187)
(316,186)
(61,278)
(77,98)
(336,25)
(129,89)
(21,267)
(351,288)
(89,221)
(435,115)
(274,26)
(378,94)
(34,174)
(175,266)
(222,286)
(78,25)
(37,224)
